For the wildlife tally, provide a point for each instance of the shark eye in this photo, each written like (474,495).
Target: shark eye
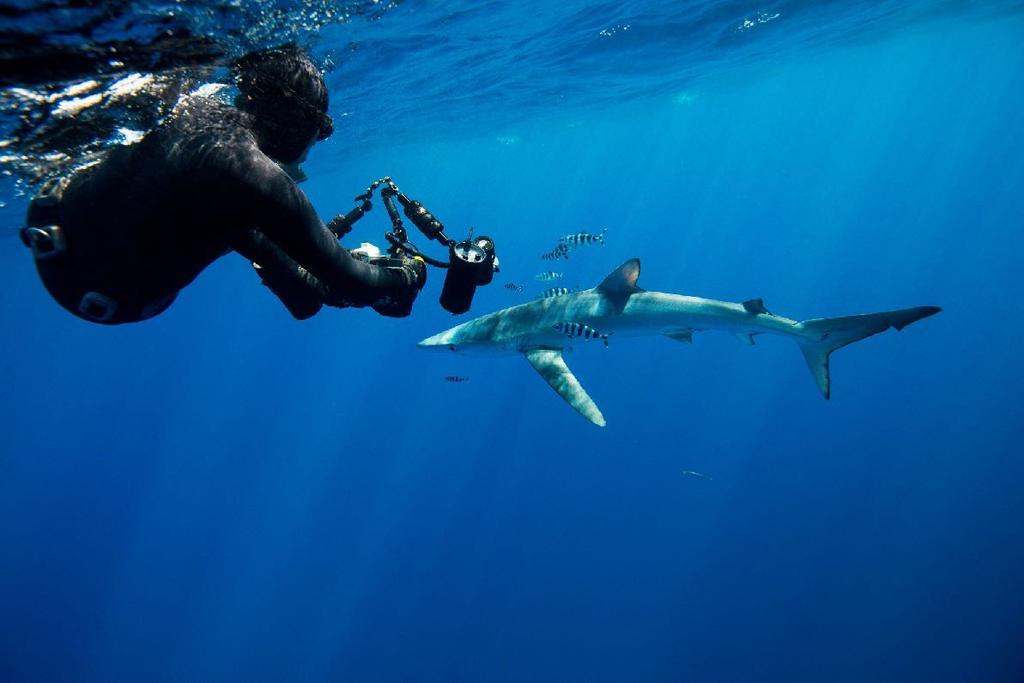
(452,347)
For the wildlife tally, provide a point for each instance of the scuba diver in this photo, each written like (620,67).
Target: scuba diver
(115,242)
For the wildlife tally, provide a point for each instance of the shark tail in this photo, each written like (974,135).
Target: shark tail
(821,336)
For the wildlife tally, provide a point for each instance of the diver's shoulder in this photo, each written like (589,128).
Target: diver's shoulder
(212,135)
(204,117)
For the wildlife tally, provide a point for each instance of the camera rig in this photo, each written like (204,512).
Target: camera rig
(471,262)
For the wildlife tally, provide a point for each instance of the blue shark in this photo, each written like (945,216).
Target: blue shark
(619,307)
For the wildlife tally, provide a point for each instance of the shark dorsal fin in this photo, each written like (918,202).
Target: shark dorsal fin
(551,366)
(621,283)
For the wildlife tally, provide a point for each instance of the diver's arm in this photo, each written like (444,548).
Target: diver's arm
(275,206)
(301,293)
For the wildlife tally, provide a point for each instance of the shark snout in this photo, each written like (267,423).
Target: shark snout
(437,341)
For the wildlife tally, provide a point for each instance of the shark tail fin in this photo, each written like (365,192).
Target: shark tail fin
(821,336)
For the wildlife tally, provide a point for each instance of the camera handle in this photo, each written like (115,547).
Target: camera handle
(398,238)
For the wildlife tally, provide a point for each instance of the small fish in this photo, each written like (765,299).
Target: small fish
(549,275)
(513,287)
(558,291)
(696,475)
(581,238)
(456,379)
(560,251)
(580,330)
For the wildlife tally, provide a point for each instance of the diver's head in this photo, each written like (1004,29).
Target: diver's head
(286,96)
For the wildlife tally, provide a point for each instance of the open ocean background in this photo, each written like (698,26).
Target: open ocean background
(224,494)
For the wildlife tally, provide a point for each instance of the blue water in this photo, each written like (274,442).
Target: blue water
(224,494)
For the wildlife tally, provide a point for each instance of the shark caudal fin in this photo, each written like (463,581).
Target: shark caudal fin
(822,336)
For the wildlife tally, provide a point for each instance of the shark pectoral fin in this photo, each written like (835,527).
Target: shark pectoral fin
(745,337)
(680,335)
(551,366)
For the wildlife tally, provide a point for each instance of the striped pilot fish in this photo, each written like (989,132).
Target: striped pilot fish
(513,287)
(456,379)
(560,251)
(580,330)
(549,275)
(558,291)
(581,238)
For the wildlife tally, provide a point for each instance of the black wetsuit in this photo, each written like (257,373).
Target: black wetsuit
(142,224)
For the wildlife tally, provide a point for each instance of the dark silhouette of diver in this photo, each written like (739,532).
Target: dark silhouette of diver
(117,241)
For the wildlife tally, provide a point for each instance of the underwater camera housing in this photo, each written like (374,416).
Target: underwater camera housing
(471,263)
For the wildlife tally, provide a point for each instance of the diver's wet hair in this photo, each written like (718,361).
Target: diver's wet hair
(277,82)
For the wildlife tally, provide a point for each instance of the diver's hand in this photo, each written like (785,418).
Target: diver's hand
(399,304)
